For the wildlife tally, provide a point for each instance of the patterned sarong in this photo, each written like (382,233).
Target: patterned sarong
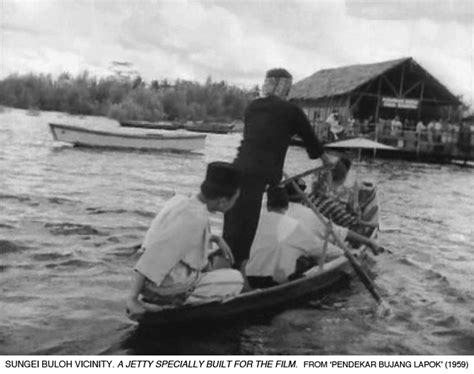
(334,210)
(339,212)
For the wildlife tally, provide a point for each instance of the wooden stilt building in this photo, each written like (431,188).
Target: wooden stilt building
(373,94)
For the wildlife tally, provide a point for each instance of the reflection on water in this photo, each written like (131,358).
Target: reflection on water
(70,221)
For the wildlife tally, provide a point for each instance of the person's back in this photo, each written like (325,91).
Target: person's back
(160,244)
(270,123)
(174,268)
(280,244)
(307,218)
(277,245)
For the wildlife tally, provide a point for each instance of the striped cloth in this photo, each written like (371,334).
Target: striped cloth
(340,213)
(368,203)
(335,210)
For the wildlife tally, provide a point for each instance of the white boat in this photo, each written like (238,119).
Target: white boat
(128,139)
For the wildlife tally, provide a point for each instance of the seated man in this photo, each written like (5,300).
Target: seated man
(338,202)
(306,217)
(283,249)
(174,268)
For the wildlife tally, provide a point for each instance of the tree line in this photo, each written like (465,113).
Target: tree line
(127,98)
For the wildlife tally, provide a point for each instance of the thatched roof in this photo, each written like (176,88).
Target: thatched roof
(344,80)
(338,81)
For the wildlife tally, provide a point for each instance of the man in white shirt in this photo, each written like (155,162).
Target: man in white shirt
(174,268)
(281,245)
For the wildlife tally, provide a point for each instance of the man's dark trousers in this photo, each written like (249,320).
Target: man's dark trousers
(240,223)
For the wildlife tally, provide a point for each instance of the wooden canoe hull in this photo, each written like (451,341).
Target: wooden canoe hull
(252,301)
(80,136)
(315,281)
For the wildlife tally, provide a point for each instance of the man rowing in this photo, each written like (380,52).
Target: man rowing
(269,124)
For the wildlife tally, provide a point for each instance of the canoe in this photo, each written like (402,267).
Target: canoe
(315,281)
(252,301)
(151,125)
(136,139)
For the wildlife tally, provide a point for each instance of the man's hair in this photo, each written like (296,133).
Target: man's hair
(277,82)
(278,73)
(277,198)
(340,170)
(347,163)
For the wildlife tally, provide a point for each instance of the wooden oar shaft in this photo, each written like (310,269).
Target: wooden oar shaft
(352,260)
(301,175)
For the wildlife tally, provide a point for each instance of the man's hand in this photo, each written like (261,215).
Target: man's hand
(224,247)
(376,249)
(326,160)
(134,309)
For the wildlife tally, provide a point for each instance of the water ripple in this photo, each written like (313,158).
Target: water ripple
(71,221)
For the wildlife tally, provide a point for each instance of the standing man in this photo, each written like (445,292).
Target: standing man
(269,124)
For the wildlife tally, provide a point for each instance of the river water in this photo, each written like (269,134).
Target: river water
(70,218)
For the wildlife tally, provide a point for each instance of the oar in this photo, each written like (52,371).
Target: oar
(287,179)
(368,283)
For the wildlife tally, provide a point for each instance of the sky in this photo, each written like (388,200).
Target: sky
(237,41)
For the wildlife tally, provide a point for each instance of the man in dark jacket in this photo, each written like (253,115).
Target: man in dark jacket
(270,123)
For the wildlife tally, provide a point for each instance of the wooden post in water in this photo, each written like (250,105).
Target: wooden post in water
(377,110)
(418,137)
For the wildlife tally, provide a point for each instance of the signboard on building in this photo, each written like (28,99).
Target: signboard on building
(393,102)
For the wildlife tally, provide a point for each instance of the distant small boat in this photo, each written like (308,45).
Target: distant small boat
(211,127)
(131,139)
(162,125)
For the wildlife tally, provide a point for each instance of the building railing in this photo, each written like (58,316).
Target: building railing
(426,141)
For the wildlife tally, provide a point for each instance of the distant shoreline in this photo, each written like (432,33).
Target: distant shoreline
(125,98)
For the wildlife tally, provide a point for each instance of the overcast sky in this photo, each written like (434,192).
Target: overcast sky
(237,41)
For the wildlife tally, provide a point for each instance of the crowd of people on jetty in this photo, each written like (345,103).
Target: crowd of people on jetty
(433,131)
(184,263)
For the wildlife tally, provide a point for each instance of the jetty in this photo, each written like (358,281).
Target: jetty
(396,102)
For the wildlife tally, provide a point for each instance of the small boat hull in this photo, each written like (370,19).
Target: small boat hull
(80,136)
(315,280)
(252,301)
(151,125)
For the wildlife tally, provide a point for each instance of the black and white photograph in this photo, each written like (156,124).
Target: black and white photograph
(237,178)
